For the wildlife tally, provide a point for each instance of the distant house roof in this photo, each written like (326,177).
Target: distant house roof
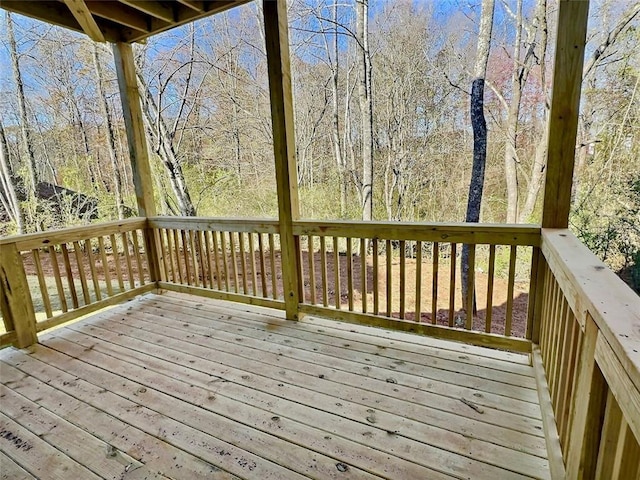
(81,205)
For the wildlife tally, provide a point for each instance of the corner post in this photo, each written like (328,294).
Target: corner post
(565,106)
(277,45)
(138,152)
(15,298)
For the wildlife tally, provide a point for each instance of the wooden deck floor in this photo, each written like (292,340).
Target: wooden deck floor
(175,386)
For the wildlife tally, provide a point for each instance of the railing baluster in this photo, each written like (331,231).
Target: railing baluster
(563,339)
(389,279)
(510,287)
(403,278)
(41,281)
(274,273)
(555,336)
(216,258)
(176,244)
(363,273)
(199,252)
(127,256)
(312,270)
(492,271)
(243,262)
(105,266)
(376,283)
(434,286)
(193,254)
(336,268)
(323,265)
(418,313)
(206,238)
(116,259)
(252,257)
(81,273)
(168,233)
(350,273)
(92,268)
(185,256)
(136,248)
(165,254)
(471,286)
(67,267)
(609,442)
(234,262)
(297,242)
(58,278)
(452,283)
(263,270)
(225,260)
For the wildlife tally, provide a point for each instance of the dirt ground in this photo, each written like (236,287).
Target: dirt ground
(208,276)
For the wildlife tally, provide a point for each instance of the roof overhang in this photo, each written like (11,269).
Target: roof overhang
(118,20)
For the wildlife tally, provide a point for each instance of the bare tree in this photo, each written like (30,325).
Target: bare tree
(608,40)
(108,123)
(8,196)
(366,106)
(27,144)
(479,126)
(163,136)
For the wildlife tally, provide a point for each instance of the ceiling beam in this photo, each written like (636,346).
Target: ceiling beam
(122,15)
(185,15)
(194,5)
(83,15)
(155,9)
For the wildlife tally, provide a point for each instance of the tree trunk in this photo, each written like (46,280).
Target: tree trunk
(27,145)
(111,138)
(164,148)
(335,114)
(366,109)
(479,126)
(8,194)
(539,166)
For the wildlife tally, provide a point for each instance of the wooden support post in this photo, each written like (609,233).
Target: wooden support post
(138,152)
(277,44)
(565,105)
(587,410)
(15,297)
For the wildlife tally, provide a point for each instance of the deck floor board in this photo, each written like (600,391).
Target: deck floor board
(185,387)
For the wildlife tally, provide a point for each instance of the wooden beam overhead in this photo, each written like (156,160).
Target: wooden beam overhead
(186,15)
(194,5)
(565,107)
(155,9)
(119,20)
(122,15)
(83,15)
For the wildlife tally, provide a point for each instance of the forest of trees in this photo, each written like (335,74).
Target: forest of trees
(383,125)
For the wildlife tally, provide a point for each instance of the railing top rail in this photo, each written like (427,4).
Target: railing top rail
(474,233)
(255,225)
(590,286)
(70,234)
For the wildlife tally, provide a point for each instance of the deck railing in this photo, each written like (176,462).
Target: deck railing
(232,259)
(52,277)
(407,276)
(588,347)
(580,321)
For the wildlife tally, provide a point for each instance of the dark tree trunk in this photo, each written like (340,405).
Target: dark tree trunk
(476,184)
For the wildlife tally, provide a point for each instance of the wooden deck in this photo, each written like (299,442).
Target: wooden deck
(176,386)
